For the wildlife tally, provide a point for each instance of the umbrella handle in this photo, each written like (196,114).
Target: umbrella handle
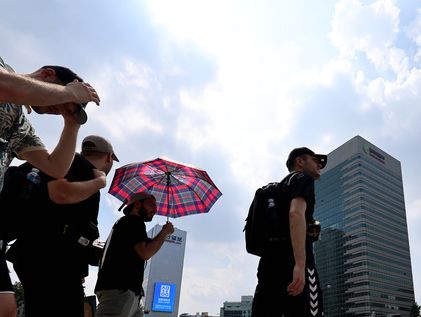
(122,205)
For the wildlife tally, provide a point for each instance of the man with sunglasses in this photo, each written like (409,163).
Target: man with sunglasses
(288,283)
(54,86)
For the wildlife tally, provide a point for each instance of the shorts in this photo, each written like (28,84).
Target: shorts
(5,281)
(271,298)
(115,302)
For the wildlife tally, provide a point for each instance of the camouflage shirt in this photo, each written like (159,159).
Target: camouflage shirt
(17,135)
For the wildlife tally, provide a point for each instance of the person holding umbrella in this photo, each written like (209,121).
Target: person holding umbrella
(120,275)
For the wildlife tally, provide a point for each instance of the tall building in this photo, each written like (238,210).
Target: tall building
(363,256)
(163,274)
(237,309)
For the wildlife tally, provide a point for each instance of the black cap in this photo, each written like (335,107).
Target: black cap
(141,196)
(66,75)
(302,151)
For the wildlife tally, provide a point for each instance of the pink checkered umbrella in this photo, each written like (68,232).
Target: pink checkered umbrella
(179,189)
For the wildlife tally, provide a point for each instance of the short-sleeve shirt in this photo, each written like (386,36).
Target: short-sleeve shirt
(121,267)
(17,135)
(294,185)
(302,185)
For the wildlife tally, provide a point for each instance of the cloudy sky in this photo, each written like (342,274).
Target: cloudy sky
(231,87)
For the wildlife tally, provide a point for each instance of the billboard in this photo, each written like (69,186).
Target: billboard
(163,297)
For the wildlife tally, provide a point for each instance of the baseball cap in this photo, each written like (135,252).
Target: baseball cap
(96,143)
(139,197)
(302,151)
(66,75)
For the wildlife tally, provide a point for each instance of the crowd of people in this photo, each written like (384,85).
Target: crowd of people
(51,259)
(58,245)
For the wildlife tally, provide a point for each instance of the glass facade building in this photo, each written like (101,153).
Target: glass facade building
(363,256)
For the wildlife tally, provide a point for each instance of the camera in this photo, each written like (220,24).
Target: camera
(313,230)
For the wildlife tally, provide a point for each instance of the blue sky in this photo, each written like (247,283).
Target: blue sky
(231,87)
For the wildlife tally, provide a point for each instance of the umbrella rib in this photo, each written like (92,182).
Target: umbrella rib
(178,167)
(199,176)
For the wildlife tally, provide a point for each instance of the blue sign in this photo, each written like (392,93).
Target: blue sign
(163,297)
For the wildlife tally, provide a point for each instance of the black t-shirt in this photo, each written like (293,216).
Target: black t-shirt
(121,266)
(86,210)
(75,219)
(43,237)
(294,185)
(302,185)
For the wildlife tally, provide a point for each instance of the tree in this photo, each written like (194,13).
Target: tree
(415,310)
(18,288)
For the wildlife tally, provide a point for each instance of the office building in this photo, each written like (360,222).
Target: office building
(363,256)
(163,275)
(237,309)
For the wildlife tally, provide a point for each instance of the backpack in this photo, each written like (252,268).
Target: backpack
(268,217)
(27,212)
(17,200)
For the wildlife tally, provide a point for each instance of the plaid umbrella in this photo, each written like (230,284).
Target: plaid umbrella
(179,189)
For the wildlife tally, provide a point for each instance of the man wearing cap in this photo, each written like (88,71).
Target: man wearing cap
(63,234)
(120,275)
(288,283)
(18,138)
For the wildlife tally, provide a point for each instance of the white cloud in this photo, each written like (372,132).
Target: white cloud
(399,103)
(414,31)
(126,88)
(371,29)
(209,287)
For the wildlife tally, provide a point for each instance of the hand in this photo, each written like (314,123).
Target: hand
(168,228)
(298,281)
(82,92)
(67,111)
(101,176)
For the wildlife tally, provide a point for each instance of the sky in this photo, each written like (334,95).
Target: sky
(231,87)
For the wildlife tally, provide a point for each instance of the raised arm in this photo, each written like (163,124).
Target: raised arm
(146,249)
(57,163)
(20,89)
(62,191)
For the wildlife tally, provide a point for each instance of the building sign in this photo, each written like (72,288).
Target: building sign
(373,153)
(163,297)
(174,239)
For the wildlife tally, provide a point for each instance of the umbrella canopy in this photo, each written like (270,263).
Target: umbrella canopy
(179,189)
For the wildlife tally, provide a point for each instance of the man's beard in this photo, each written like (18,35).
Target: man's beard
(143,214)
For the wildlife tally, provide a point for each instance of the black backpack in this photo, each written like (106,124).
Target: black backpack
(26,209)
(268,217)
(17,201)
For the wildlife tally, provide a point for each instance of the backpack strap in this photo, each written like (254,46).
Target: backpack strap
(288,179)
